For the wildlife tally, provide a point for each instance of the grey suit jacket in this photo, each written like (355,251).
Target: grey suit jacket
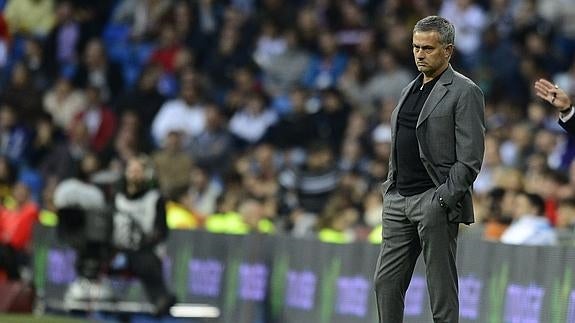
(450,133)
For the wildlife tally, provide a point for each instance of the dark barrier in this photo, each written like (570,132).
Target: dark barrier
(261,278)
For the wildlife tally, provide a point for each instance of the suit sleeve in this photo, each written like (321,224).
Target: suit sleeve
(568,125)
(469,146)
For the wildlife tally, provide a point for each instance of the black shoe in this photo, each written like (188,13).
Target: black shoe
(164,304)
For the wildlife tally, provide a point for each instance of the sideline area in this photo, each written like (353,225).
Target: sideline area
(262,278)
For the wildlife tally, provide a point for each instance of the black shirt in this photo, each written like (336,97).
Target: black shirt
(412,177)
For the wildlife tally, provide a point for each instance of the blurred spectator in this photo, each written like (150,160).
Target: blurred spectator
(550,145)
(566,79)
(4,41)
(497,217)
(352,26)
(550,188)
(529,227)
(372,208)
(185,114)
(270,43)
(46,138)
(251,122)
(498,66)
(500,16)
(491,161)
(212,148)
(65,40)
(352,84)
(469,20)
(562,13)
(168,48)
(172,163)
(95,70)
(62,161)
(203,192)
(48,215)
(99,120)
(188,29)
(250,217)
(331,119)
(354,186)
(23,95)
(284,70)
(296,127)
(208,15)
(225,58)
(30,17)
(8,174)
(34,60)
(16,224)
(515,150)
(244,85)
(14,137)
(337,222)
(144,99)
(308,28)
(352,157)
(178,214)
(566,215)
(327,65)
(509,178)
(140,229)
(260,177)
(527,19)
(128,142)
(388,81)
(312,184)
(64,102)
(282,12)
(142,17)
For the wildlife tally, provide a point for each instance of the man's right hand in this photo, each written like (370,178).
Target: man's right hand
(552,94)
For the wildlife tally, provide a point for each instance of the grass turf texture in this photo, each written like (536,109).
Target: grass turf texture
(17,318)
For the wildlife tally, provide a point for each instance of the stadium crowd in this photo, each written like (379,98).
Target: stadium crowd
(271,115)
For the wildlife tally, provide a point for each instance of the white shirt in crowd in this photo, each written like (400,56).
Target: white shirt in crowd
(177,115)
(251,127)
(530,230)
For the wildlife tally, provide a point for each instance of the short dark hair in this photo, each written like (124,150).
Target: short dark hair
(536,201)
(442,26)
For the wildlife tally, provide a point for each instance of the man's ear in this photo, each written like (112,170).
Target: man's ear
(449,50)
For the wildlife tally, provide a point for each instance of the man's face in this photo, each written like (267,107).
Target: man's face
(134,171)
(431,56)
(522,207)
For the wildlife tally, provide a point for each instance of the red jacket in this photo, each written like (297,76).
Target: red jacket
(16,225)
(100,139)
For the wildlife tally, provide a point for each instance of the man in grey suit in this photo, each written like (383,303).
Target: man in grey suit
(437,149)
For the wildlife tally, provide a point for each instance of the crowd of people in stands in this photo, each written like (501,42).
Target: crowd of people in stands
(270,116)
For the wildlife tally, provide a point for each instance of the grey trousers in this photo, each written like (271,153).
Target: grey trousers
(412,224)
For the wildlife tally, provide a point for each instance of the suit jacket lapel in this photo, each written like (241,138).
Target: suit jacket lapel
(437,93)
